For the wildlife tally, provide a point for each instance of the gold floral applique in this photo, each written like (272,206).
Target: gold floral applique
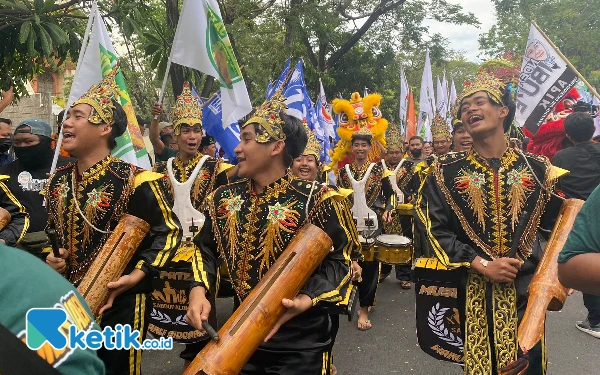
(520,182)
(281,218)
(98,202)
(471,183)
(228,211)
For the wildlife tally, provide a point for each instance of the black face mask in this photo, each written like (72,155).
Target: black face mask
(37,156)
(5,144)
(416,152)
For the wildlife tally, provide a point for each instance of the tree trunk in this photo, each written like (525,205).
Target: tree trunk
(176,70)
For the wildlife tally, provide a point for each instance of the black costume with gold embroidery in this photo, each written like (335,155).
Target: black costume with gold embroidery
(471,206)
(248,231)
(212,174)
(378,193)
(103,193)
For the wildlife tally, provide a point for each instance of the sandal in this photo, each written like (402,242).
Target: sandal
(405,284)
(364,325)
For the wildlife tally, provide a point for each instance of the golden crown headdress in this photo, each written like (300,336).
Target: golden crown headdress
(364,131)
(100,97)
(187,109)
(313,147)
(267,116)
(439,127)
(485,81)
(393,138)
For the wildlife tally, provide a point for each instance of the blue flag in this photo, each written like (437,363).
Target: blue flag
(300,105)
(212,120)
(273,86)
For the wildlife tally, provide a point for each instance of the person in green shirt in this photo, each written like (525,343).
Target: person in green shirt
(44,288)
(579,260)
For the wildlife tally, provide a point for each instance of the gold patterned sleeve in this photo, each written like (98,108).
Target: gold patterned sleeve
(206,260)
(434,216)
(335,218)
(149,203)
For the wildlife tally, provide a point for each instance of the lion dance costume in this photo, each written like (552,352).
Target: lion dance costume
(355,114)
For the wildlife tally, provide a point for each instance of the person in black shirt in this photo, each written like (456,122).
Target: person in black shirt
(28,175)
(583,161)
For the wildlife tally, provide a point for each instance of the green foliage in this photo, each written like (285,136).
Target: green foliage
(573,26)
(36,34)
(349,44)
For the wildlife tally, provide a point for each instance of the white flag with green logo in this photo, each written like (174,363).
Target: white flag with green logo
(201,42)
(98,60)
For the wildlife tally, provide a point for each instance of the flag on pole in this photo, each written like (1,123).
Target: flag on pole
(426,102)
(411,117)
(453,97)
(201,42)
(326,121)
(98,60)
(442,100)
(544,81)
(403,98)
(299,103)
(212,118)
(275,85)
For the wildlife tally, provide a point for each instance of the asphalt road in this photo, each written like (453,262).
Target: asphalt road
(390,347)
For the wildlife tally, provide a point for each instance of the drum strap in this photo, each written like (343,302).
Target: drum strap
(15,355)
(394,180)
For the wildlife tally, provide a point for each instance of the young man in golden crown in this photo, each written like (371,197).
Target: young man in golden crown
(402,170)
(482,209)
(371,206)
(191,177)
(440,133)
(86,200)
(249,224)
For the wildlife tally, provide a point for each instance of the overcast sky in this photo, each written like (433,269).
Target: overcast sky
(464,38)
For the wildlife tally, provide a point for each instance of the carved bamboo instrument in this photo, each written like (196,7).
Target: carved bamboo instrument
(545,292)
(259,312)
(112,260)
(5,218)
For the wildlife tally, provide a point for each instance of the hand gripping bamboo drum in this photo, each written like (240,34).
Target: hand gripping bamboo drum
(112,260)
(393,249)
(367,248)
(259,312)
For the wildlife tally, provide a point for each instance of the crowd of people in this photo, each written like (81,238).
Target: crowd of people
(472,202)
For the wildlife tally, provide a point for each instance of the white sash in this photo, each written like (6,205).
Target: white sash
(394,180)
(186,213)
(360,209)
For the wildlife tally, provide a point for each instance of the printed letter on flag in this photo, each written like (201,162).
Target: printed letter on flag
(545,79)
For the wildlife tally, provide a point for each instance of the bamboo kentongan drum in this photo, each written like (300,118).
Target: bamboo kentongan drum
(112,260)
(257,315)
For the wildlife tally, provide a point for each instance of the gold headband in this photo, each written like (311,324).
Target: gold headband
(267,116)
(313,147)
(187,110)
(484,82)
(439,128)
(100,97)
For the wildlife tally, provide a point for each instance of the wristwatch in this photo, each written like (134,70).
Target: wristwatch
(483,262)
